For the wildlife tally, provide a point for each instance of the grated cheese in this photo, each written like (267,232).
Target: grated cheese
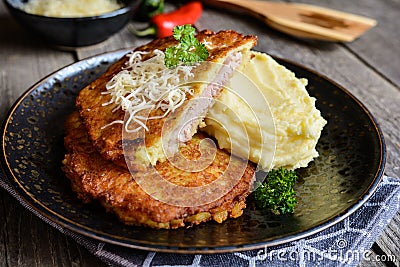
(70,8)
(145,85)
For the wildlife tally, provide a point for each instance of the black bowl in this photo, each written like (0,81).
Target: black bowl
(74,32)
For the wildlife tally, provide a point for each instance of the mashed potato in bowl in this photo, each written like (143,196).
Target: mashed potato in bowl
(70,8)
(297,124)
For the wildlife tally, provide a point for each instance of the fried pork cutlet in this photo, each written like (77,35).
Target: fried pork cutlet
(227,48)
(95,178)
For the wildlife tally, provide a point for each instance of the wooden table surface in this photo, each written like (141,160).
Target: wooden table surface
(368,67)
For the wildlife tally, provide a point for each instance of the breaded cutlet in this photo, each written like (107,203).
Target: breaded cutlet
(226,47)
(95,178)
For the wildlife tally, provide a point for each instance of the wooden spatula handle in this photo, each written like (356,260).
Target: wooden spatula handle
(238,5)
(302,20)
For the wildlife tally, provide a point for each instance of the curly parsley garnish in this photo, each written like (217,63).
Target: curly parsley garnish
(188,51)
(276,192)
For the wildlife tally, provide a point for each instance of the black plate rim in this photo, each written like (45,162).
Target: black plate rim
(58,220)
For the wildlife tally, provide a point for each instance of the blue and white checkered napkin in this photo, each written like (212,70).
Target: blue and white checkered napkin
(344,244)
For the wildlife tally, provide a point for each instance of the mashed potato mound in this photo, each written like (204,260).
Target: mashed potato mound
(70,8)
(284,134)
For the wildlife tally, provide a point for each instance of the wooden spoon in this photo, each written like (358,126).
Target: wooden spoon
(301,20)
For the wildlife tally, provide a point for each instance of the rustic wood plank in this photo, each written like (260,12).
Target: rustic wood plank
(3,231)
(366,67)
(25,239)
(124,39)
(389,240)
(380,44)
(25,60)
(31,242)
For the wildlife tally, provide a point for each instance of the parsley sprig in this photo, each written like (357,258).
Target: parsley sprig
(276,192)
(188,51)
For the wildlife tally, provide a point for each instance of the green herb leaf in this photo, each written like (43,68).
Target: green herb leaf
(188,51)
(148,8)
(276,192)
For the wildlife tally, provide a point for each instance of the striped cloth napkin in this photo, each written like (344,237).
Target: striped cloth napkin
(343,244)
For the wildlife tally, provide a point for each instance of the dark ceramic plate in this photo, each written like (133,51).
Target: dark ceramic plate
(350,166)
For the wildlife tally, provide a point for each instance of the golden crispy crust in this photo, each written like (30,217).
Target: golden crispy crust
(219,44)
(95,178)
(108,141)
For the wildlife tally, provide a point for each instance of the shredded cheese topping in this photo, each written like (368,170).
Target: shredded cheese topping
(142,86)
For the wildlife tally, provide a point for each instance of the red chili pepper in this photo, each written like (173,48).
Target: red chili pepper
(163,24)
